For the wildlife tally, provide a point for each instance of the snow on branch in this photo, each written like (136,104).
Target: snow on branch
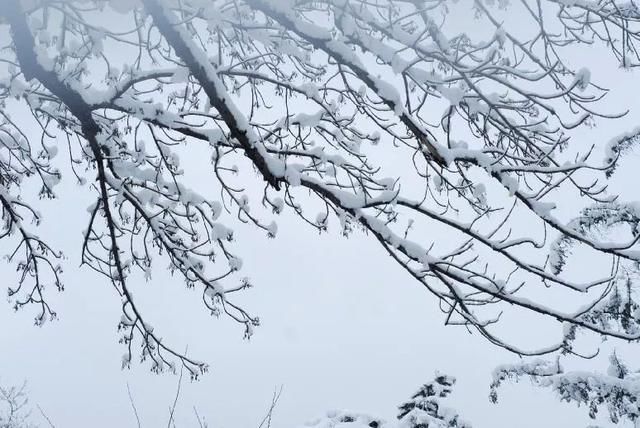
(424,410)
(356,116)
(617,390)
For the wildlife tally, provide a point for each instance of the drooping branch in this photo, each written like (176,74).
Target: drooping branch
(33,69)
(476,140)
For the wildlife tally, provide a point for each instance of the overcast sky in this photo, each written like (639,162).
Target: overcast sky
(343,327)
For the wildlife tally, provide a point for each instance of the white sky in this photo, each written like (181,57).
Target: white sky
(343,327)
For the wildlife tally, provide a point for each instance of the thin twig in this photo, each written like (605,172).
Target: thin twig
(133,405)
(201,422)
(269,415)
(175,400)
(44,415)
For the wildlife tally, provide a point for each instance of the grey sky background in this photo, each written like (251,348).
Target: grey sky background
(343,327)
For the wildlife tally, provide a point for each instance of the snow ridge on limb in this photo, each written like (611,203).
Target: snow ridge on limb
(200,67)
(322,39)
(617,390)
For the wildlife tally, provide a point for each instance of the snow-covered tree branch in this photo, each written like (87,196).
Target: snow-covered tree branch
(14,412)
(374,116)
(424,410)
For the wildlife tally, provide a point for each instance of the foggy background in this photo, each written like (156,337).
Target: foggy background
(343,326)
